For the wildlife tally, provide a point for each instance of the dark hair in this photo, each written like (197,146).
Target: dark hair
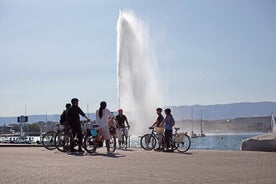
(159,109)
(74,101)
(102,107)
(68,105)
(168,111)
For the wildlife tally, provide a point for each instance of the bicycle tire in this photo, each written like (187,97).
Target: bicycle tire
(148,142)
(183,145)
(112,143)
(89,143)
(62,141)
(48,140)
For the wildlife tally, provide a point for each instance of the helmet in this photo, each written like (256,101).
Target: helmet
(120,110)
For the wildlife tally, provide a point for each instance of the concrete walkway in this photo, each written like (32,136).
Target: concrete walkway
(38,165)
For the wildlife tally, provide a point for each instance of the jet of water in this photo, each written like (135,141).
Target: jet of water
(138,88)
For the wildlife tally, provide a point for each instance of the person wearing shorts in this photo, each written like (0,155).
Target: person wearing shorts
(102,116)
(121,119)
(158,128)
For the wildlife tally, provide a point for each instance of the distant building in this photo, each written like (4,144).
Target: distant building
(5,129)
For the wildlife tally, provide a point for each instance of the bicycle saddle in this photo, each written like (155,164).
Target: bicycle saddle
(95,125)
(176,128)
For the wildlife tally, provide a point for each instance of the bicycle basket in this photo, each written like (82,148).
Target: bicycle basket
(93,132)
(159,130)
(180,138)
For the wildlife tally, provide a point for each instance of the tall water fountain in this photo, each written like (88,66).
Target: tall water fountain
(138,91)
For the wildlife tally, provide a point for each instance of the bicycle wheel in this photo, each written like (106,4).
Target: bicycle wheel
(48,140)
(62,141)
(183,144)
(148,142)
(112,143)
(89,143)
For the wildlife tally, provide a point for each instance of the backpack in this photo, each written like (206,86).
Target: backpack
(172,121)
(62,118)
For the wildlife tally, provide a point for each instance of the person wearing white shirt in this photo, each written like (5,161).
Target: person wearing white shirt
(102,117)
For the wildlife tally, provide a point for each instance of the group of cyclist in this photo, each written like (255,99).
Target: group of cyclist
(70,118)
(162,124)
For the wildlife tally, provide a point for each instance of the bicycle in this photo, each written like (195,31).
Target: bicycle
(65,138)
(179,141)
(149,141)
(48,139)
(94,140)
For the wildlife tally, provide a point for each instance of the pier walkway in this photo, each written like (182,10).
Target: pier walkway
(30,165)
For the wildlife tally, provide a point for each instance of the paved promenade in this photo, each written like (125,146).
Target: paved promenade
(38,165)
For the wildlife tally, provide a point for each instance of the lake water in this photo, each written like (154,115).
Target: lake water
(220,142)
(213,142)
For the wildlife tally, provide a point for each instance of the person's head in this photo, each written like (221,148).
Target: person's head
(168,111)
(159,111)
(102,107)
(75,101)
(120,111)
(68,105)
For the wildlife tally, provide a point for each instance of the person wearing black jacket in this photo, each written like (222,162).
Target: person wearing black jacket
(73,117)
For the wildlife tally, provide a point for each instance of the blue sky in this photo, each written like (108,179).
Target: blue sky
(208,52)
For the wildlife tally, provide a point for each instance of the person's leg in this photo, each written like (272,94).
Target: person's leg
(106,135)
(126,136)
(107,142)
(79,136)
(159,137)
(72,142)
(167,145)
(119,136)
(170,137)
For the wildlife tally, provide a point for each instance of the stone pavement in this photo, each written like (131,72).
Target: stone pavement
(29,165)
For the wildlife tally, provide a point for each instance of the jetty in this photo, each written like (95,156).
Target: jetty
(30,165)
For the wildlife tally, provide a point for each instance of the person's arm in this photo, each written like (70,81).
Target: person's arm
(117,123)
(164,121)
(82,114)
(86,117)
(127,122)
(154,124)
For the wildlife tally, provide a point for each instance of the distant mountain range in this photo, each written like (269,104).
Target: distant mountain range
(207,112)
(224,111)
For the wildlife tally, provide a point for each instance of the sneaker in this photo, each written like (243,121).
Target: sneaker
(73,150)
(109,152)
(168,150)
(80,151)
(159,149)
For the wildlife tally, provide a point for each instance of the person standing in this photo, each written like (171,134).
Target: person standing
(102,117)
(64,119)
(167,123)
(158,128)
(121,119)
(73,117)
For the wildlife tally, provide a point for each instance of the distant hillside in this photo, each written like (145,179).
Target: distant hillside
(207,112)
(224,111)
